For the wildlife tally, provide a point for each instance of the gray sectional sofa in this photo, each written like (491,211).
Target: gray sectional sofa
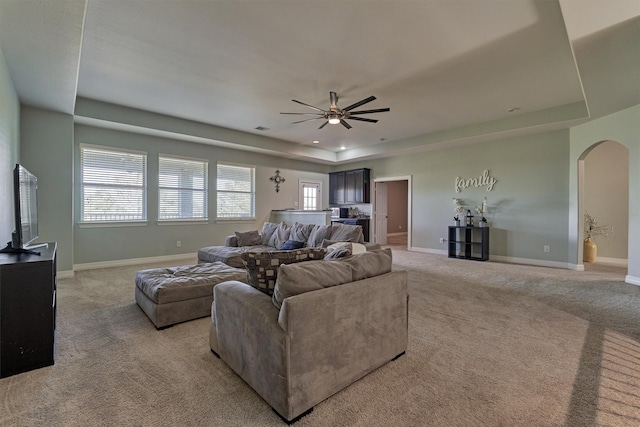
(281,236)
(324,325)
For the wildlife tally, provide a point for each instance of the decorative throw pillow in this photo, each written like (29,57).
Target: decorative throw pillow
(262,267)
(301,232)
(280,236)
(318,234)
(291,245)
(346,233)
(248,238)
(268,228)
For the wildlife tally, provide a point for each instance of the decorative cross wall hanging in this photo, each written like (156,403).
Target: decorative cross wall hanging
(277,179)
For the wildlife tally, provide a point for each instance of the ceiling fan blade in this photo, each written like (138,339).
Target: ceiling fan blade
(379,110)
(323,125)
(306,120)
(306,114)
(359,103)
(310,106)
(362,119)
(345,124)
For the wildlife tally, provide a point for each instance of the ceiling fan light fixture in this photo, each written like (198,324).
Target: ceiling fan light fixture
(334,119)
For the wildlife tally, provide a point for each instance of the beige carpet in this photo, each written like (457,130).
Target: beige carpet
(490,344)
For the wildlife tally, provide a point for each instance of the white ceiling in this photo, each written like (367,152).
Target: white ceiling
(450,70)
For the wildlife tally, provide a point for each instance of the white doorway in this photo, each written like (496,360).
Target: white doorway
(309,195)
(381,208)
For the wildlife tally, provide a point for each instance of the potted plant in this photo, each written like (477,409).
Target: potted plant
(592,230)
(481,210)
(458,209)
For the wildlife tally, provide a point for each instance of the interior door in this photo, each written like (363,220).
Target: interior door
(381,215)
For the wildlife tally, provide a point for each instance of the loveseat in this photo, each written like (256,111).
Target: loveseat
(281,236)
(326,325)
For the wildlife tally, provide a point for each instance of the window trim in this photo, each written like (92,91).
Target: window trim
(178,221)
(113,223)
(253,193)
(301,183)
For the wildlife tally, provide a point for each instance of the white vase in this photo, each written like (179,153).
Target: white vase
(482,224)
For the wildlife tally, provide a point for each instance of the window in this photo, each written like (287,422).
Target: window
(310,195)
(113,185)
(236,191)
(182,189)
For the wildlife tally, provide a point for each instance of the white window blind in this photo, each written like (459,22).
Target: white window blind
(236,191)
(114,185)
(182,189)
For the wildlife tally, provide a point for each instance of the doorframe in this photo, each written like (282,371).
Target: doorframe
(407,178)
(301,183)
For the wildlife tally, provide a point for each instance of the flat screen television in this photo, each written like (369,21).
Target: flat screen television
(25,196)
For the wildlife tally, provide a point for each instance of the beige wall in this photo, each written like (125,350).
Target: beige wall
(606,195)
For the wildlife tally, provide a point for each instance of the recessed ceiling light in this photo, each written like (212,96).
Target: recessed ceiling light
(343,148)
(514,109)
(316,142)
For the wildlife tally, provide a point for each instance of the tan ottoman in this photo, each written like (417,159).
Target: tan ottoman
(177,294)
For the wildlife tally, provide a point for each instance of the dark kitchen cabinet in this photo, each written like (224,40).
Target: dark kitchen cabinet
(351,186)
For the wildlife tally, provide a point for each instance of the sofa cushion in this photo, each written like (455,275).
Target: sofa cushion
(262,268)
(346,233)
(268,228)
(308,277)
(301,232)
(370,263)
(280,235)
(248,238)
(318,234)
(290,245)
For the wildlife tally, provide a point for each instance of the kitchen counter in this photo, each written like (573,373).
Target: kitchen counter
(289,216)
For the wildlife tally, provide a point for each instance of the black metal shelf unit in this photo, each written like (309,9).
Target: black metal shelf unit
(469,243)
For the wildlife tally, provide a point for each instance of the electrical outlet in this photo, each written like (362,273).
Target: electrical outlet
(547,248)
(442,240)
(178,244)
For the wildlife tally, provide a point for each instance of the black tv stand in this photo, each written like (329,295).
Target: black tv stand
(27,311)
(9,249)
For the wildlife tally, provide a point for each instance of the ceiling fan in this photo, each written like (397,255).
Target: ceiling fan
(335,115)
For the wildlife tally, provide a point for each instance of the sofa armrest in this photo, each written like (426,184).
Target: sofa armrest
(232,241)
(250,340)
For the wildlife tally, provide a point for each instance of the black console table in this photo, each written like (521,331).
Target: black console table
(469,243)
(27,310)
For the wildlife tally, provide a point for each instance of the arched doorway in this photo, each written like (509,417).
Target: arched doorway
(603,189)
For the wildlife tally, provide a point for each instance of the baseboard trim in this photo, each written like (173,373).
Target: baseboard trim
(133,261)
(632,280)
(429,251)
(622,262)
(508,260)
(66,274)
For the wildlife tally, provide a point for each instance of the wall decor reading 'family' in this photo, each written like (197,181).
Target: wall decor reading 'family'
(484,180)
